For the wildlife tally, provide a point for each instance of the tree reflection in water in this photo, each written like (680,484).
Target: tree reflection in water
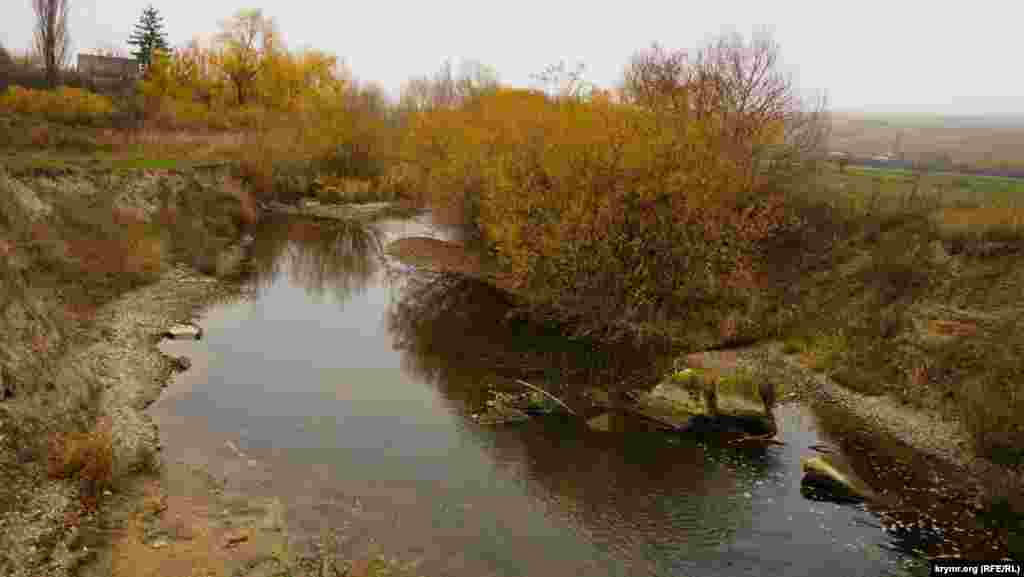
(323,257)
(458,336)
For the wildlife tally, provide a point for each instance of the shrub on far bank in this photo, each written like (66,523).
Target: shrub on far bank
(68,105)
(646,215)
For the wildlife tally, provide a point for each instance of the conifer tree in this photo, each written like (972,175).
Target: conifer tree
(148,37)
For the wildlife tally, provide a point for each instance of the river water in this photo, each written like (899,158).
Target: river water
(344,385)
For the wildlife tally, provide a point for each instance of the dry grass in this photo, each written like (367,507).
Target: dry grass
(134,249)
(900,313)
(952,328)
(1007,221)
(160,143)
(247,210)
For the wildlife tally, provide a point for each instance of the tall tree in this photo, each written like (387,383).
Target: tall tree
(246,40)
(148,37)
(51,38)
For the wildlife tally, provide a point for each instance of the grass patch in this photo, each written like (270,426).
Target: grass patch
(150,163)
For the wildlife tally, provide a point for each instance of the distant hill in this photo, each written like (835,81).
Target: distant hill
(982,142)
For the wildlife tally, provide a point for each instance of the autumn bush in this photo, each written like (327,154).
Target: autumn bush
(69,105)
(628,214)
(85,456)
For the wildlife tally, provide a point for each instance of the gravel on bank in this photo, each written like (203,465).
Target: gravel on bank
(121,359)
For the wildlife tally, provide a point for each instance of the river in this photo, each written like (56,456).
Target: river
(344,385)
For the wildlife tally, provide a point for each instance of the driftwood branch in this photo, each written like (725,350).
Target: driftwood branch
(761,439)
(547,394)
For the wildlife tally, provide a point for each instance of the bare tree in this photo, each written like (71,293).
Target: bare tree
(737,88)
(656,78)
(52,41)
(245,40)
(561,82)
(446,90)
(741,84)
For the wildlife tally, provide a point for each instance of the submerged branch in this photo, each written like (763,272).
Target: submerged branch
(758,439)
(663,422)
(543,392)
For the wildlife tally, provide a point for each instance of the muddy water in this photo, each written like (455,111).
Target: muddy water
(345,386)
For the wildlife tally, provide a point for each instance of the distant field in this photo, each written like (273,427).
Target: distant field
(976,141)
(961,204)
(960,187)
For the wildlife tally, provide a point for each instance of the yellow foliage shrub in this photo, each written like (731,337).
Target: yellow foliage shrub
(597,207)
(70,105)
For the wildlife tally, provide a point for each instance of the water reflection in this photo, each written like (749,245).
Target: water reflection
(339,258)
(638,500)
(355,410)
(456,336)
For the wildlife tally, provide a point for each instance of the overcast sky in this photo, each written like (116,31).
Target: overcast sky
(885,56)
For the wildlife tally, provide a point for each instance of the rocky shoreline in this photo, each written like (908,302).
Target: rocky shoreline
(928,432)
(922,463)
(124,362)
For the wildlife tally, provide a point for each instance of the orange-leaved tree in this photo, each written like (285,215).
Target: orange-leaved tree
(623,213)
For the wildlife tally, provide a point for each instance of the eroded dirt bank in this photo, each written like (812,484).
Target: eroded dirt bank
(97,265)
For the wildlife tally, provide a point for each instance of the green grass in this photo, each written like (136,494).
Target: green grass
(975,182)
(149,163)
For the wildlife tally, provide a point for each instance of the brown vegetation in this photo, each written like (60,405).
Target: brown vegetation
(86,456)
(588,202)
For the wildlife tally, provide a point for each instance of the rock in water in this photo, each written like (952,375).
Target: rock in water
(184,331)
(599,397)
(181,364)
(835,479)
(602,422)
